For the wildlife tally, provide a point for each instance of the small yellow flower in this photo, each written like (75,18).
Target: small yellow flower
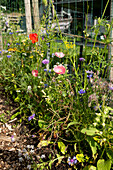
(31,56)
(11,49)
(80,157)
(12,75)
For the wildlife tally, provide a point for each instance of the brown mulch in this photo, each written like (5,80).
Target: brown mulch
(18,145)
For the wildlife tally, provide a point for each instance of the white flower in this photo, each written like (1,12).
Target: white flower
(31,151)
(17,90)
(102,37)
(28,166)
(43,156)
(32,146)
(104,139)
(94,124)
(19,153)
(25,155)
(28,146)
(20,159)
(29,88)
(103,124)
(101,132)
(28,158)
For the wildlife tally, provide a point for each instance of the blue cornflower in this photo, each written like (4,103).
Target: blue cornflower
(72,161)
(17,44)
(45,70)
(81,91)
(89,76)
(45,85)
(8,56)
(53,54)
(10,32)
(97,107)
(31,117)
(50,71)
(0,52)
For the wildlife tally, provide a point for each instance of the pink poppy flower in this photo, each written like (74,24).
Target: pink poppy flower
(59,54)
(59,69)
(35,73)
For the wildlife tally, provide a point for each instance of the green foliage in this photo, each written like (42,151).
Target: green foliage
(102,164)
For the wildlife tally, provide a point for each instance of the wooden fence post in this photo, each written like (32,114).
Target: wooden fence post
(28,16)
(35,4)
(1,45)
(110,50)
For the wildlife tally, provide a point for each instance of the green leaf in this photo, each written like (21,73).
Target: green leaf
(103,165)
(92,168)
(43,143)
(15,115)
(41,123)
(72,123)
(62,147)
(92,144)
(75,147)
(90,131)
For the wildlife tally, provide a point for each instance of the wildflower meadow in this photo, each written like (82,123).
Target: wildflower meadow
(64,97)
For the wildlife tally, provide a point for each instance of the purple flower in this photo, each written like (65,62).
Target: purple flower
(90,72)
(8,56)
(10,33)
(89,76)
(72,161)
(45,61)
(42,38)
(81,91)
(6,23)
(82,59)
(12,138)
(111,88)
(45,70)
(8,44)
(31,117)
(0,52)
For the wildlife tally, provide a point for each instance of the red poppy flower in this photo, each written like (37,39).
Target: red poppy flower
(33,37)
(59,54)
(59,69)
(35,73)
